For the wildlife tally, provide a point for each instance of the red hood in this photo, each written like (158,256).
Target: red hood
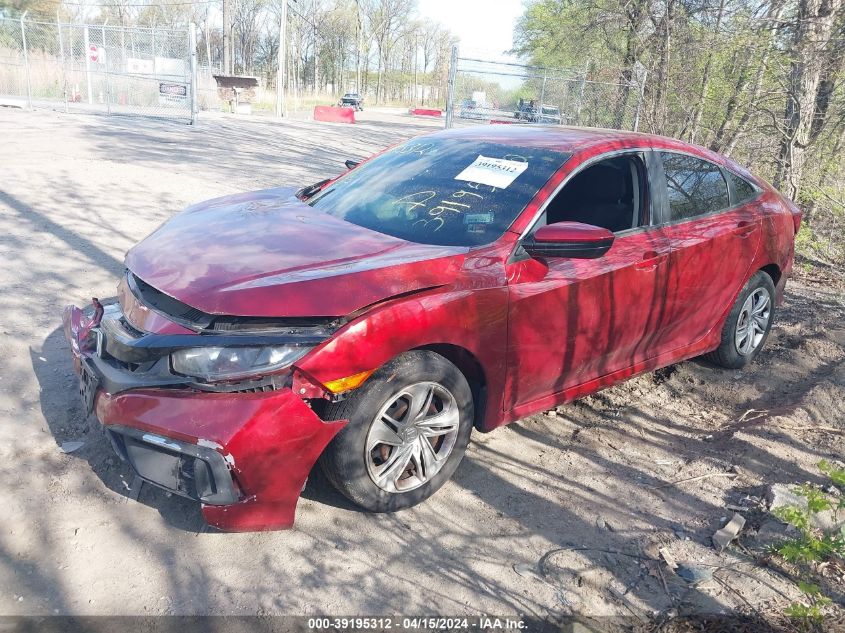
(268,254)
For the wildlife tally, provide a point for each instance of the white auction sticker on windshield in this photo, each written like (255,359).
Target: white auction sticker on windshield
(493,172)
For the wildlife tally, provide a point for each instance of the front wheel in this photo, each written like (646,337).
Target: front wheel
(408,429)
(748,324)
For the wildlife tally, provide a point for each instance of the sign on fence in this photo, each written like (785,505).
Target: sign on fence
(172,94)
(96,54)
(136,66)
(99,68)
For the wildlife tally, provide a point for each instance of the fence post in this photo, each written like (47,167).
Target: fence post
(280,71)
(581,94)
(641,77)
(88,65)
(62,57)
(105,63)
(450,86)
(26,63)
(542,97)
(192,43)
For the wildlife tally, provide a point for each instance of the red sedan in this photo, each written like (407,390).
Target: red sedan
(460,280)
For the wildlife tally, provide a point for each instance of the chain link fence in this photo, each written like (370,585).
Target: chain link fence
(486,91)
(98,68)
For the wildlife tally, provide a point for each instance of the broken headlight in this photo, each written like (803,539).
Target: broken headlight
(232,363)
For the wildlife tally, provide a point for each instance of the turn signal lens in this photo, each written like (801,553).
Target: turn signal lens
(350,382)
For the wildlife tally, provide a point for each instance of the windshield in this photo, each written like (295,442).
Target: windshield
(449,192)
(549,110)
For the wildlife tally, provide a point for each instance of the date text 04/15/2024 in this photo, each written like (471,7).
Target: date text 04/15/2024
(480,623)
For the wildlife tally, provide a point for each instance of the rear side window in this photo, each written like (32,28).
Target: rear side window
(695,186)
(743,190)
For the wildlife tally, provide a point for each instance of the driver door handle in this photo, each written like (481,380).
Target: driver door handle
(650,260)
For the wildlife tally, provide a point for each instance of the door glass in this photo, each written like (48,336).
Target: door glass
(742,189)
(695,186)
(607,194)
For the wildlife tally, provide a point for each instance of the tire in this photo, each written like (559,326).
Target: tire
(740,344)
(375,479)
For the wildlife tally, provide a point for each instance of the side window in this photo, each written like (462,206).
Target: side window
(743,190)
(610,194)
(695,186)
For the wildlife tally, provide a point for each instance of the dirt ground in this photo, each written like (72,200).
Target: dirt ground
(558,514)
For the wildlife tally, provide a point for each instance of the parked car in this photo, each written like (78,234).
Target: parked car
(548,114)
(469,110)
(459,281)
(525,111)
(352,100)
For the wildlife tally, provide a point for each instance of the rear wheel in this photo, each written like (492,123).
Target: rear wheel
(748,324)
(408,429)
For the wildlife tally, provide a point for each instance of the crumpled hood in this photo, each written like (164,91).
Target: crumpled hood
(267,254)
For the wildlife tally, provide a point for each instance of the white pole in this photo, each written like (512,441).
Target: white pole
(450,86)
(192,42)
(62,57)
(105,63)
(88,65)
(26,63)
(280,71)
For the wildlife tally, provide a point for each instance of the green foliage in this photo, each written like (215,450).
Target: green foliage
(836,475)
(812,546)
(812,612)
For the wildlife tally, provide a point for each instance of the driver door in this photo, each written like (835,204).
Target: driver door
(571,320)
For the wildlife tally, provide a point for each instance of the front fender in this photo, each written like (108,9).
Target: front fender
(472,319)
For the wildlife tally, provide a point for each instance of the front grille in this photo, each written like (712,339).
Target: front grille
(261,389)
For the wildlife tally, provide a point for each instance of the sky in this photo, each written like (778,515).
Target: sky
(482,25)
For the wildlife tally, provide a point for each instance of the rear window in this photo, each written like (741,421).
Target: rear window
(743,190)
(695,186)
(449,192)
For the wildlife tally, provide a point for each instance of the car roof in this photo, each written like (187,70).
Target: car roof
(571,139)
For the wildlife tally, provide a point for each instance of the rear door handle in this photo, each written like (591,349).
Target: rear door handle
(744,228)
(650,260)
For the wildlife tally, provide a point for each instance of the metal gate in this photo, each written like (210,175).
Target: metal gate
(485,91)
(98,68)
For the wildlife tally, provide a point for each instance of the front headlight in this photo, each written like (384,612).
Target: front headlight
(232,363)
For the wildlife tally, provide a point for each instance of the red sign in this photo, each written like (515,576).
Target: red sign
(94,53)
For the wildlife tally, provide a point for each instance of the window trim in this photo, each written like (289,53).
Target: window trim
(642,152)
(732,191)
(660,177)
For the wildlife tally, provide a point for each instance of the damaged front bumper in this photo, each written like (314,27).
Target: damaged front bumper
(244,454)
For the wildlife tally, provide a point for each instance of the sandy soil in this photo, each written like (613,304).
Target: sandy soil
(588,489)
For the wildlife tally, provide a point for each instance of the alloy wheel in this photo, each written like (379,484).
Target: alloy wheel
(412,437)
(753,321)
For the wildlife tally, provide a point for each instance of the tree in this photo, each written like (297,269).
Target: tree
(809,88)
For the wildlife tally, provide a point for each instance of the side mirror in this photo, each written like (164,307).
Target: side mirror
(569,239)
(352,164)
